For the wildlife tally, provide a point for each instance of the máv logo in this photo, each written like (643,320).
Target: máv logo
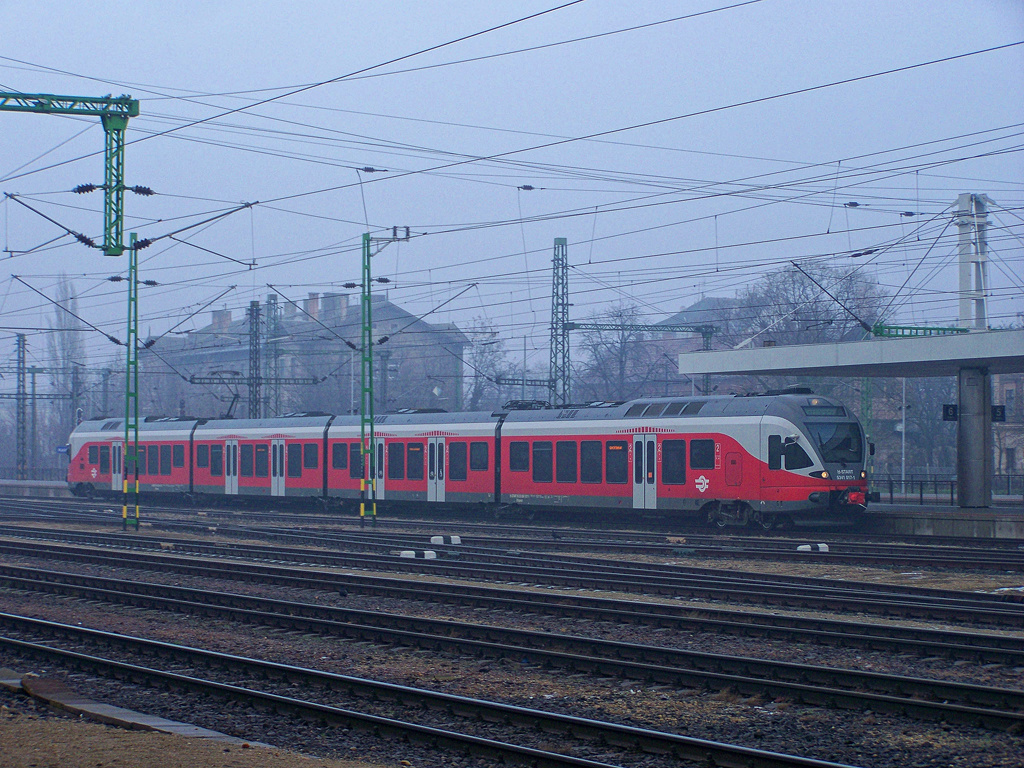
(702,483)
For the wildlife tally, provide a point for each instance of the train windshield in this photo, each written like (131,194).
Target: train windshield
(838,442)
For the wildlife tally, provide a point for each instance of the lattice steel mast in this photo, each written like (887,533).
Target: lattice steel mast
(560,384)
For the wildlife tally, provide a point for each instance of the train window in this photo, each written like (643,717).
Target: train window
(837,442)
(692,409)
(311,455)
(141,459)
(396,461)
(202,455)
(178,456)
(339,456)
(565,461)
(261,460)
(673,462)
(519,456)
(616,461)
(355,460)
(94,454)
(216,460)
(456,461)
(702,454)
(245,460)
(478,458)
(673,409)
(638,461)
(774,451)
(294,460)
(165,459)
(796,457)
(380,461)
(636,410)
(153,460)
(654,411)
(104,459)
(414,461)
(590,461)
(542,461)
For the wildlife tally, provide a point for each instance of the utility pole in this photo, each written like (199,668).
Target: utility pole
(131,394)
(19,428)
(255,373)
(114,114)
(368,490)
(26,435)
(273,401)
(972,223)
(559,367)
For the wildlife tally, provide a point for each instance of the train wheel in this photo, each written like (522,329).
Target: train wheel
(764,522)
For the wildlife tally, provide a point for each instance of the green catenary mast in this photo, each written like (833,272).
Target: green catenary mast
(114,113)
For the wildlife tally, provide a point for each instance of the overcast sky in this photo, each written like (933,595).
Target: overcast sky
(669,155)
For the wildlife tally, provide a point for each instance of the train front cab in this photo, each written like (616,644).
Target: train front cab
(813,467)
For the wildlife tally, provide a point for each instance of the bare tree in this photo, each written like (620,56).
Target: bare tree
(67,360)
(486,360)
(793,305)
(616,364)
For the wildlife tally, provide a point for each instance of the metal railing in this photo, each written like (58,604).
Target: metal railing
(939,488)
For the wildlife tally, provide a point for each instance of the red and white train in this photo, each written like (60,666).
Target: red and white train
(763,460)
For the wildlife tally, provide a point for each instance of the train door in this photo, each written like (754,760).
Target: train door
(645,467)
(378,467)
(733,469)
(435,469)
(116,469)
(277,467)
(231,467)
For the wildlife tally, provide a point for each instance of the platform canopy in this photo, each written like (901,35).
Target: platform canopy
(993,351)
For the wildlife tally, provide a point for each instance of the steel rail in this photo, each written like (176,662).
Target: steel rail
(873,636)
(955,606)
(666,576)
(613,734)
(984,706)
(604,539)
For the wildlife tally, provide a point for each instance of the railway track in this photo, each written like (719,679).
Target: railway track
(600,575)
(982,706)
(968,646)
(520,723)
(844,548)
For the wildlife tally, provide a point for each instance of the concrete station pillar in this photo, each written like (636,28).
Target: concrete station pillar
(974,438)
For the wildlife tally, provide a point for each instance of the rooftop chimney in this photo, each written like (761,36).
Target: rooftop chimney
(220,320)
(312,306)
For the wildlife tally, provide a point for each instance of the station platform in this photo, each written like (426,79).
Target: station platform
(1003,520)
(50,488)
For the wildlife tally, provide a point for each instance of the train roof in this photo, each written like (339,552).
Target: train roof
(284,422)
(149,424)
(795,406)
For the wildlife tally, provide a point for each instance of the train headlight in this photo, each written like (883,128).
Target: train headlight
(863,474)
(824,475)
